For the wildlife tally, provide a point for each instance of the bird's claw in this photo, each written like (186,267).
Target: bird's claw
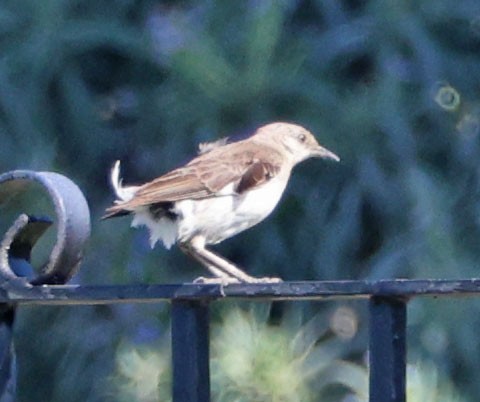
(224,281)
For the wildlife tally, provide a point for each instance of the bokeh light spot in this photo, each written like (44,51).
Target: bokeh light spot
(447,97)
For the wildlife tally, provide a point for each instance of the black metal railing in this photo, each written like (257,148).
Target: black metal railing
(21,285)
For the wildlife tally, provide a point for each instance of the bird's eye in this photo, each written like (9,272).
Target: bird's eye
(302,138)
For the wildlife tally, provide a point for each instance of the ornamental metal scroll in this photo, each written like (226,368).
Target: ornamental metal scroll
(17,277)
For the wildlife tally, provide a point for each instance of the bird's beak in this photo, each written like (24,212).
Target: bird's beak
(321,152)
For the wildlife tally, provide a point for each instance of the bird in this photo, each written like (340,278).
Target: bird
(227,188)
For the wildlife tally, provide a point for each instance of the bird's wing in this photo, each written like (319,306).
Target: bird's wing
(256,174)
(207,175)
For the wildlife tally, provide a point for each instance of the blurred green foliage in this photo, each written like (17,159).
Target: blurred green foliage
(254,360)
(391,86)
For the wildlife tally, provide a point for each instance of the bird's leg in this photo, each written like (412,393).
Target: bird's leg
(211,260)
(226,266)
(220,276)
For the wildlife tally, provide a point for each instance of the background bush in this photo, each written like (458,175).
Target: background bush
(392,87)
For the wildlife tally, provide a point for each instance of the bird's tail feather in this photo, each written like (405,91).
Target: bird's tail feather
(124,194)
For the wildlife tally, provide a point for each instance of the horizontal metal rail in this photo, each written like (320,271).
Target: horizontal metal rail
(19,293)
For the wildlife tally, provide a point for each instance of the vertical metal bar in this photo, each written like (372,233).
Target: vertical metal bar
(8,367)
(190,351)
(388,317)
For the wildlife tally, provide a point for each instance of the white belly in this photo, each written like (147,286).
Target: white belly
(215,219)
(219,218)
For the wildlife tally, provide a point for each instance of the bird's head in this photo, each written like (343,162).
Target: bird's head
(297,142)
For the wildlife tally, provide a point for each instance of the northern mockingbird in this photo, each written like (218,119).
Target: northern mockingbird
(227,188)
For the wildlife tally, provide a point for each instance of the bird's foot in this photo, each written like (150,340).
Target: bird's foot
(228,280)
(224,280)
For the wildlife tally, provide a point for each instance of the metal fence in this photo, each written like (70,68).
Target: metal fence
(20,285)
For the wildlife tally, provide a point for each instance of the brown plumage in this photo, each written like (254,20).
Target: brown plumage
(206,175)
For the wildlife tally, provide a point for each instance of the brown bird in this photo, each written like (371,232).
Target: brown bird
(227,188)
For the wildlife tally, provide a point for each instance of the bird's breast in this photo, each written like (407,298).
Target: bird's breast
(262,200)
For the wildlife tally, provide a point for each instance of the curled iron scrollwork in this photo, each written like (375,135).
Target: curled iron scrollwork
(17,276)
(73,228)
